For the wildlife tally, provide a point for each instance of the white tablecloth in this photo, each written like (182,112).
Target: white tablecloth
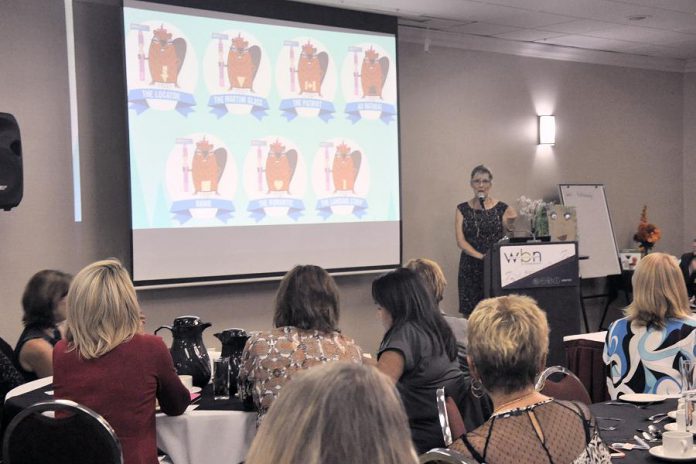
(206,437)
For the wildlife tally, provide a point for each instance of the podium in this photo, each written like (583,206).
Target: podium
(545,271)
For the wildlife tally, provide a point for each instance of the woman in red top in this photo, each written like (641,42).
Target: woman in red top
(107,364)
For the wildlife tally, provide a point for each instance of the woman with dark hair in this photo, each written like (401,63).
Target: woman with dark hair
(479,223)
(44,308)
(306,334)
(418,352)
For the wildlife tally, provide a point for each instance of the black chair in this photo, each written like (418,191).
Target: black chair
(75,435)
(443,455)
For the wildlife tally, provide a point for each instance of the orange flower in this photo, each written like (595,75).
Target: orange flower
(647,234)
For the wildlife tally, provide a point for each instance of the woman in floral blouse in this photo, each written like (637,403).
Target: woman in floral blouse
(306,334)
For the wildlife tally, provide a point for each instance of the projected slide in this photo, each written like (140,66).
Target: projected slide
(241,128)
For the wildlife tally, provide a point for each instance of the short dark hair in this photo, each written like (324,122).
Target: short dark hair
(307,298)
(404,295)
(481,169)
(41,295)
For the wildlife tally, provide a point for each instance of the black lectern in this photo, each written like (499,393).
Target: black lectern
(545,271)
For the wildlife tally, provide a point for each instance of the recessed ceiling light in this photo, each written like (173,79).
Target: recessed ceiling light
(638,17)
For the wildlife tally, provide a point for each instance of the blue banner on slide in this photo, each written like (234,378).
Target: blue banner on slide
(258,207)
(138,99)
(387,110)
(182,208)
(289,107)
(359,205)
(218,104)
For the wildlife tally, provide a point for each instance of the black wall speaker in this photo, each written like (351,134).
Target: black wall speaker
(11,179)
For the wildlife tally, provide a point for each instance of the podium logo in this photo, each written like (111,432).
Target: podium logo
(523,257)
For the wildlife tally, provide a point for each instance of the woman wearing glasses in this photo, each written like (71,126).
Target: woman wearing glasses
(479,223)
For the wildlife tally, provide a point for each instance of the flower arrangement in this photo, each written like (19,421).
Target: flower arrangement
(536,211)
(648,234)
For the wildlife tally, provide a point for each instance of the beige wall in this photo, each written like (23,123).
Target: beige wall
(617,126)
(689,169)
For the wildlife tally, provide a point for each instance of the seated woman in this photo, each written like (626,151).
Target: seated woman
(9,375)
(108,365)
(508,344)
(643,349)
(418,352)
(434,279)
(43,303)
(306,334)
(338,413)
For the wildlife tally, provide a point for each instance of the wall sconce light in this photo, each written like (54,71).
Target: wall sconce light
(547,130)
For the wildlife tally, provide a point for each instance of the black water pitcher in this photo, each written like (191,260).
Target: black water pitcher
(188,351)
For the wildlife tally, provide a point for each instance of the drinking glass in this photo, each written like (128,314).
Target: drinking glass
(687,371)
(221,379)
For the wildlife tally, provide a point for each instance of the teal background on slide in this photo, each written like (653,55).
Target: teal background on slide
(153,132)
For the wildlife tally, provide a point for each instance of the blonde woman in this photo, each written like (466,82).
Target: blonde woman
(643,349)
(108,365)
(336,413)
(508,344)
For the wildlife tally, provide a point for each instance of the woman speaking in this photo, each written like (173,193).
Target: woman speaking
(479,223)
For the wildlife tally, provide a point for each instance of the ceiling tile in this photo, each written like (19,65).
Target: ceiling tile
(639,34)
(593,43)
(600,10)
(581,26)
(518,17)
(684,6)
(658,50)
(480,28)
(529,35)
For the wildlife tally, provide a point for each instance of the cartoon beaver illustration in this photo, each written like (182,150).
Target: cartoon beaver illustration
(242,63)
(346,166)
(311,69)
(207,167)
(166,57)
(280,167)
(373,73)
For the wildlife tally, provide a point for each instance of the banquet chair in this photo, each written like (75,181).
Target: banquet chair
(443,455)
(451,420)
(568,388)
(77,435)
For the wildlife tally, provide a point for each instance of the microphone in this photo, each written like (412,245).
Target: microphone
(482,199)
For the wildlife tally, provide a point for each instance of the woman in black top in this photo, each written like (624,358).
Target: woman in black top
(418,352)
(44,310)
(479,223)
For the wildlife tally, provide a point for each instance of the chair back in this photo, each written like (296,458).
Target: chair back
(442,415)
(443,455)
(75,435)
(454,417)
(568,388)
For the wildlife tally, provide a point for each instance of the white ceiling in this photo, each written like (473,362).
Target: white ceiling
(667,32)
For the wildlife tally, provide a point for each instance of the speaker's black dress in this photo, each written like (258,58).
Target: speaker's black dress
(481,228)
